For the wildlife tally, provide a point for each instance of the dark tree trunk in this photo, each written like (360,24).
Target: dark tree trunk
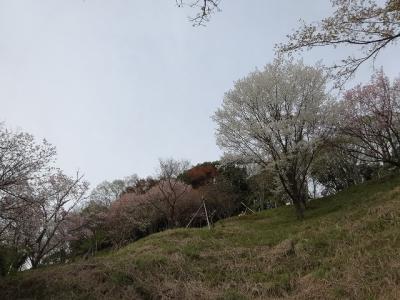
(34,263)
(299,209)
(303,202)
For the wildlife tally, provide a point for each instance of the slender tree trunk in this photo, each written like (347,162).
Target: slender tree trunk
(34,263)
(297,195)
(299,209)
(172,222)
(303,202)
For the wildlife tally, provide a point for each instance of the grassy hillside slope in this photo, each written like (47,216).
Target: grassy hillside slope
(347,247)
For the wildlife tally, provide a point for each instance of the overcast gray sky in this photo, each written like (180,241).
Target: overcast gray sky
(115,85)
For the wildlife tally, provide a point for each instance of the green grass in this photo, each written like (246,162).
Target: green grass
(347,247)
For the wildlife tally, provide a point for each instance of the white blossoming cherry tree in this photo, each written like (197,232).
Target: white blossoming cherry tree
(278,118)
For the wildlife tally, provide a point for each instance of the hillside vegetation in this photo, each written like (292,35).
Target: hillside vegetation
(346,247)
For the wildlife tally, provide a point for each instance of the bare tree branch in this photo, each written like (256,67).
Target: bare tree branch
(363,24)
(206,8)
